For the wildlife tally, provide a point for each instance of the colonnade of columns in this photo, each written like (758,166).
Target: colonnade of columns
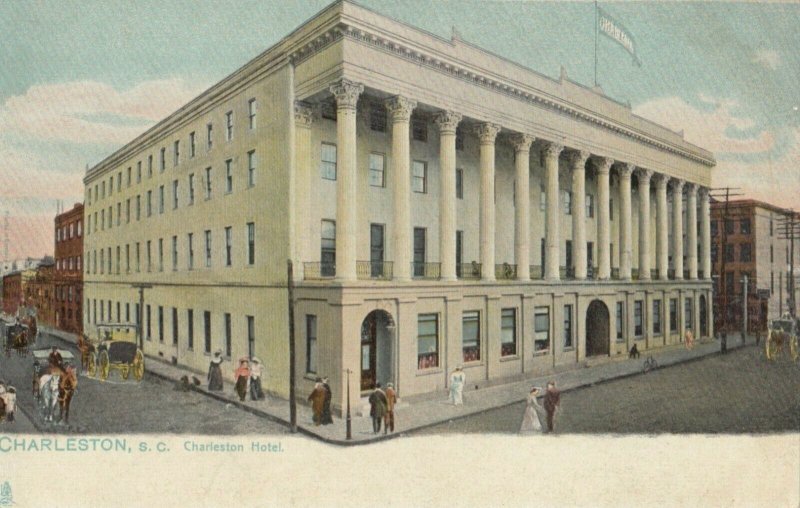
(400,110)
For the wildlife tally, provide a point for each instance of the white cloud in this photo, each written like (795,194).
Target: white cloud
(768,58)
(704,128)
(92,112)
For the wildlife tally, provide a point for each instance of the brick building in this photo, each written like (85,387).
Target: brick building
(14,285)
(39,292)
(68,276)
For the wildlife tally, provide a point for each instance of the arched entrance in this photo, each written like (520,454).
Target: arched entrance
(703,316)
(597,329)
(377,333)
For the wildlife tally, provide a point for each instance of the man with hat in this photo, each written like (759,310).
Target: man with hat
(327,417)
(55,359)
(377,407)
(317,399)
(391,400)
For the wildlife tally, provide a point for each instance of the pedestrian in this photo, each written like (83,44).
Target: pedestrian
(317,399)
(377,407)
(10,403)
(457,381)
(215,372)
(689,339)
(534,412)
(242,377)
(2,401)
(723,343)
(327,417)
(55,359)
(256,370)
(391,400)
(552,401)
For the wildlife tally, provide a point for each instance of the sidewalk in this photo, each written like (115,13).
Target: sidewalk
(414,415)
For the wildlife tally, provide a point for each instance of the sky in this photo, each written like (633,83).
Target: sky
(79,79)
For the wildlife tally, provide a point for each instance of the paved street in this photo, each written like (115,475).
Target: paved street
(118,406)
(735,393)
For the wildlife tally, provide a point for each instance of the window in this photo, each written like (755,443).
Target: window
(209,132)
(471,336)
(728,226)
(542,199)
(377,118)
(419,177)
(160,254)
(190,248)
(673,314)
(419,252)
(149,167)
(656,317)
(328,248)
(191,188)
(328,161)
(567,201)
(160,323)
(147,252)
(508,332)
(620,321)
(771,254)
(208,183)
(229,125)
(228,245)
(174,325)
(744,227)
(190,328)
(138,264)
(176,152)
(208,248)
(729,252)
(251,168)
(161,199)
(174,194)
(251,336)
(589,206)
(567,326)
(311,343)
(229,175)
(730,287)
(419,129)
(459,183)
(638,323)
(102,261)
(128,179)
(138,207)
(119,216)
(252,107)
(207,331)
(714,253)
(128,211)
(128,258)
(376,249)
(174,253)
(541,327)
(376,170)
(162,161)
(745,252)
(251,243)
(714,228)
(192,145)
(687,313)
(228,344)
(427,341)
(102,219)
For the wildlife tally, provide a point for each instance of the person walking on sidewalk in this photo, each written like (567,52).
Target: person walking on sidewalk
(317,399)
(534,414)
(377,407)
(457,381)
(256,370)
(391,400)
(10,399)
(215,372)
(242,377)
(689,339)
(552,402)
(327,416)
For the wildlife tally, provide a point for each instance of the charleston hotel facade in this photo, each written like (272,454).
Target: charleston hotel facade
(442,206)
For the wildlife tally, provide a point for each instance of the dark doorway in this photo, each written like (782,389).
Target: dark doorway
(703,317)
(376,349)
(597,329)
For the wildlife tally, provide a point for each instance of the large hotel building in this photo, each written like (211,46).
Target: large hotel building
(442,206)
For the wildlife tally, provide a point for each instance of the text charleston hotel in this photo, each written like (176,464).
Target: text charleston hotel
(443,206)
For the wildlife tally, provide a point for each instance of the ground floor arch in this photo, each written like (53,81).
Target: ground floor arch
(377,349)
(597,329)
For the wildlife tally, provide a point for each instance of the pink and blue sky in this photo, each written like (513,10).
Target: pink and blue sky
(80,79)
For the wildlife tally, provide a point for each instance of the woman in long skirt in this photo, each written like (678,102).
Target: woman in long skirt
(457,381)
(242,377)
(215,373)
(532,419)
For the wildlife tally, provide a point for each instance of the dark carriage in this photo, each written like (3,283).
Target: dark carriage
(783,335)
(116,349)
(15,338)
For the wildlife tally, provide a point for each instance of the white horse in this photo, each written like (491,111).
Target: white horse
(48,395)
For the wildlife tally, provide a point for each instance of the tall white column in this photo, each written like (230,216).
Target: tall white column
(447,122)
(677,227)
(625,222)
(551,242)
(303,118)
(522,231)
(691,229)
(487,133)
(400,109)
(577,164)
(644,223)
(603,219)
(662,227)
(705,233)
(346,93)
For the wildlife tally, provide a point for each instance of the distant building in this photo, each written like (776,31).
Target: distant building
(14,285)
(39,293)
(68,275)
(748,241)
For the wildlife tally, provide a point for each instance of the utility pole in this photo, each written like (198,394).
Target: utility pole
(744,311)
(789,229)
(718,195)
(141,288)
(292,400)
(349,434)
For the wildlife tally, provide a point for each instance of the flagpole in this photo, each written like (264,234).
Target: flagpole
(595,42)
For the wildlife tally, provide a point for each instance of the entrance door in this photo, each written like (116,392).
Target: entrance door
(703,317)
(369,334)
(376,250)
(597,329)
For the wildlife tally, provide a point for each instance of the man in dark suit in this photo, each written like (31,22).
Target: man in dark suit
(552,400)
(377,407)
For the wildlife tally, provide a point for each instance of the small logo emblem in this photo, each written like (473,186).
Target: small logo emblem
(6,499)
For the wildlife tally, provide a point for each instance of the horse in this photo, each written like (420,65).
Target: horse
(66,389)
(48,395)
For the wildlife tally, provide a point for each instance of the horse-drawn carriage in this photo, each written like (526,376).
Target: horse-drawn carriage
(116,349)
(15,337)
(783,336)
(53,385)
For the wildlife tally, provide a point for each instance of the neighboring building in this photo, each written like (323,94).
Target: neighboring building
(14,286)
(748,240)
(550,244)
(39,293)
(68,281)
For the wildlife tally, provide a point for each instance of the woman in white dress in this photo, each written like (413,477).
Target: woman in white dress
(531,420)
(457,381)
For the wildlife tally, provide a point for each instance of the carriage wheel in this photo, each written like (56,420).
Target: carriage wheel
(771,346)
(91,366)
(104,365)
(138,365)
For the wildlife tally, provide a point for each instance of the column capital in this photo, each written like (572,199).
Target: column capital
(602,164)
(703,191)
(577,159)
(691,188)
(487,132)
(400,108)
(661,180)
(644,175)
(447,121)
(552,149)
(677,185)
(346,93)
(626,169)
(522,142)
(303,114)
